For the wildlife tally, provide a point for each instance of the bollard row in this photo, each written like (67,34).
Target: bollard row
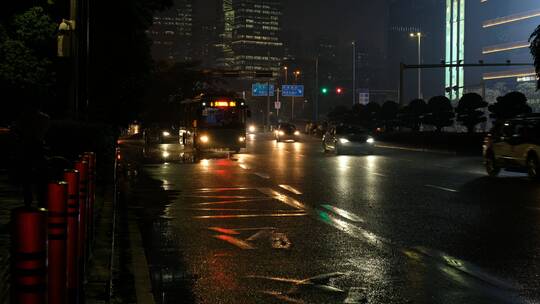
(50,247)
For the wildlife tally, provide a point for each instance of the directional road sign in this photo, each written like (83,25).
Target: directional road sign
(262,89)
(293,91)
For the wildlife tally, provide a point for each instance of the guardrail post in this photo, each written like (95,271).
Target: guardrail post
(57,236)
(28,256)
(72,179)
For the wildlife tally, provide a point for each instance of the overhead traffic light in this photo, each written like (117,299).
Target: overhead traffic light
(339,90)
(324,90)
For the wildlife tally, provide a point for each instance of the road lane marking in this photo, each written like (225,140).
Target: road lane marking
(234,241)
(352,230)
(243,166)
(221,196)
(228,216)
(379,174)
(224,230)
(441,188)
(262,175)
(465,267)
(282,297)
(343,213)
(290,189)
(220,189)
(277,279)
(233,201)
(283,198)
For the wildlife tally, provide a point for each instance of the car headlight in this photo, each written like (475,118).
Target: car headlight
(281,133)
(370,140)
(241,139)
(252,129)
(166,133)
(296,133)
(343,140)
(204,139)
(165,154)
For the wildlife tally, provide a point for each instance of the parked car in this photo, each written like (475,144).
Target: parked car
(345,139)
(514,145)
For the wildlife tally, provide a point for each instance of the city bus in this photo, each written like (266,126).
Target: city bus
(214,123)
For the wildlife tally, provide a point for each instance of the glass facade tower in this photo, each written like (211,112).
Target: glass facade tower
(455,47)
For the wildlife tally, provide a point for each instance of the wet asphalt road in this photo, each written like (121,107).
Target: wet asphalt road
(286,223)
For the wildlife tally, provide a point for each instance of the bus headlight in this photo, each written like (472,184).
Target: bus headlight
(343,140)
(204,139)
(370,140)
(241,139)
(297,133)
(166,133)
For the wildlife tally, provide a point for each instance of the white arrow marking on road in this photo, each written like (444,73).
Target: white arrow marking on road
(283,198)
(262,175)
(343,213)
(441,188)
(234,241)
(290,189)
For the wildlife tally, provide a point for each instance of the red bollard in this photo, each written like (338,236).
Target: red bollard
(28,256)
(72,179)
(57,230)
(90,157)
(82,167)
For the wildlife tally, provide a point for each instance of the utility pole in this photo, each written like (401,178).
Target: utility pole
(419,36)
(354,73)
(268,106)
(74,87)
(316,104)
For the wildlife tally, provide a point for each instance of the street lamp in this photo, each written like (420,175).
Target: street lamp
(285,71)
(419,37)
(354,73)
(296,75)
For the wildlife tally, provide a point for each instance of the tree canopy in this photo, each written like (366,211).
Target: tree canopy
(535,51)
(440,112)
(468,113)
(509,105)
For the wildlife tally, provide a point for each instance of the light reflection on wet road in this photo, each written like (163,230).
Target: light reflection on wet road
(278,224)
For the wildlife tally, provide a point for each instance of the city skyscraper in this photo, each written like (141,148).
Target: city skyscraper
(172,31)
(455,47)
(256,35)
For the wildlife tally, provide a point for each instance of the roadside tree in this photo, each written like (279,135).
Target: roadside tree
(535,51)
(469,112)
(509,105)
(440,112)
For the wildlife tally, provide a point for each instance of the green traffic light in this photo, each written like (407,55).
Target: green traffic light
(324,90)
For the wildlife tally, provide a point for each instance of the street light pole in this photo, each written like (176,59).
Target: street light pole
(296,74)
(354,73)
(286,72)
(419,39)
(316,104)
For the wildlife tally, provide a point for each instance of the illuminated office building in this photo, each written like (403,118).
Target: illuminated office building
(489,31)
(172,31)
(455,46)
(250,36)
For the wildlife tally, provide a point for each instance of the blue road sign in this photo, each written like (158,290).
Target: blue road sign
(292,90)
(262,89)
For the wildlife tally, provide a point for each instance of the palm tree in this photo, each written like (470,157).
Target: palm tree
(535,50)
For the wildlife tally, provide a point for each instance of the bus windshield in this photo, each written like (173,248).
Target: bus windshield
(222,117)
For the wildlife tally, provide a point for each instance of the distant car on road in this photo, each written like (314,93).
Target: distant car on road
(345,139)
(514,145)
(286,132)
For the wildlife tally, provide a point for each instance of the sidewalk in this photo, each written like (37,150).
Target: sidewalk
(10,198)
